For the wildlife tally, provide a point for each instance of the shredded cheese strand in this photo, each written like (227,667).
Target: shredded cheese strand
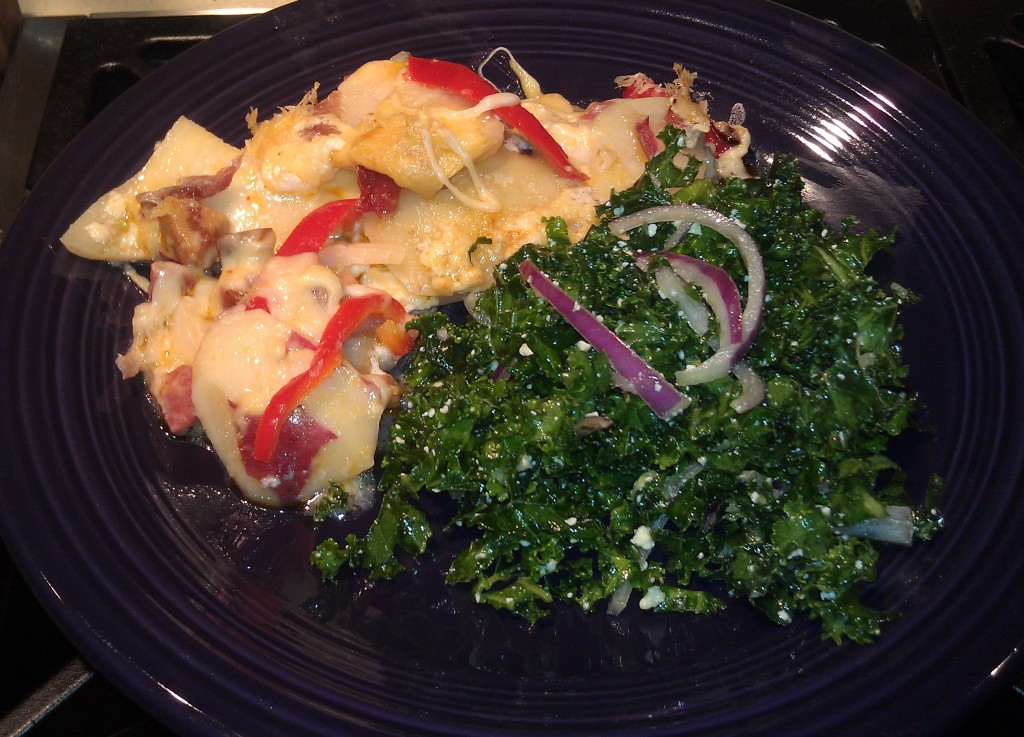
(486,105)
(529,85)
(488,203)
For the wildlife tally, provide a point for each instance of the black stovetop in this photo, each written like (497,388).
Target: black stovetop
(975,51)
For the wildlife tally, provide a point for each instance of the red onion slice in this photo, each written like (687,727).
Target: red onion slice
(721,363)
(670,286)
(718,366)
(620,598)
(193,187)
(753,389)
(657,392)
(896,527)
(719,291)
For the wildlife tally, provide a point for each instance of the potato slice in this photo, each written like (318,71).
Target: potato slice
(113,229)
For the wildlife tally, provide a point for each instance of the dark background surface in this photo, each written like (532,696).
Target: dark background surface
(974,51)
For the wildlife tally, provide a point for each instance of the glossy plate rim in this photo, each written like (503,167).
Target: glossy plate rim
(190,644)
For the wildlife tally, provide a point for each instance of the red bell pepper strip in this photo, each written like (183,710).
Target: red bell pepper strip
(351,314)
(470,86)
(313,230)
(715,141)
(257,302)
(377,193)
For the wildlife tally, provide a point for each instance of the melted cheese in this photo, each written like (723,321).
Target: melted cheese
(113,229)
(410,144)
(242,362)
(245,357)
(300,292)
(472,194)
(169,327)
(351,407)
(287,171)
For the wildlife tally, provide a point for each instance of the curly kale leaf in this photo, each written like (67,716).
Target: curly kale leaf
(574,491)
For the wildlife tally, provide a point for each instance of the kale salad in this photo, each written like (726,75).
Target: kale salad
(760,472)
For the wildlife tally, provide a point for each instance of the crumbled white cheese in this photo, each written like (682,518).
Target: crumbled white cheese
(654,597)
(643,479)
(642,538)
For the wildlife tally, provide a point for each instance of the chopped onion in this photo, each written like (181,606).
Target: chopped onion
(591,424)
(717,366)
(657,392)
(718,287)
(896,527)
(670,286)
(729,353)
(674,483)
(710,165)
(470,303)
(619,598)
(753,389)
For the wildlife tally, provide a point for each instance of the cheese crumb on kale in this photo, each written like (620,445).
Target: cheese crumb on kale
(576,490)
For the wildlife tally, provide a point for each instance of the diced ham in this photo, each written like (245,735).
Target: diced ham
(285,474)
(318,129)
(594,108)
(175,400)
(188,228)
(231,297)
(257,302)
(377,192)
(720,138)
(297,342)
(648,140)
(193,188)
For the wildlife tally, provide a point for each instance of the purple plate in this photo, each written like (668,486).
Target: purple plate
(203,609)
